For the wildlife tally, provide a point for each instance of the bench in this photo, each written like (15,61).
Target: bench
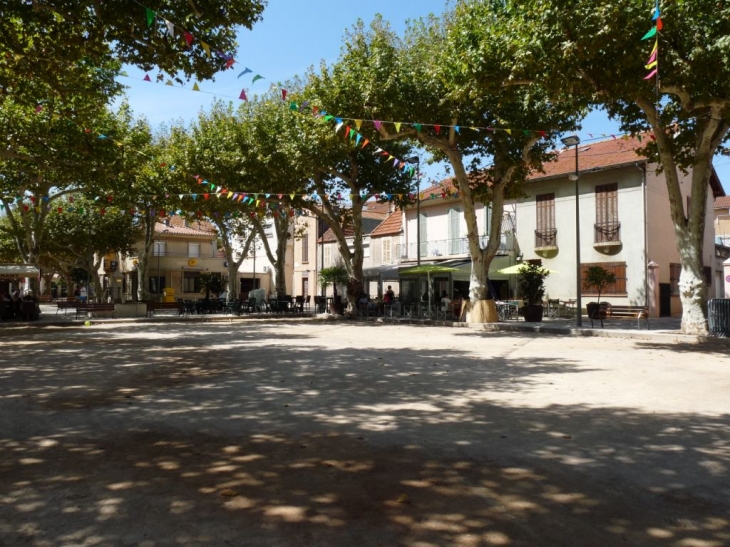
(65,304)
(93,308)
(621,312)
(152,307)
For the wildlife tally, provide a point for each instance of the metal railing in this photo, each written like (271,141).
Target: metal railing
(451,247)
(170,254)
(608,232)
(546,238)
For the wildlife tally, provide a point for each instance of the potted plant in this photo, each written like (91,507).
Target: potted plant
(337,275)
(598,279)
(531,282)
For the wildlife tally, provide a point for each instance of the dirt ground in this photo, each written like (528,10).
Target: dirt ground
(313,433)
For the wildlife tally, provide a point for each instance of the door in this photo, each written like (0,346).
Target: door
(665,300)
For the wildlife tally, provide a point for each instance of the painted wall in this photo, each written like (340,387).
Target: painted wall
(563,283)
(662,247)
(437,228)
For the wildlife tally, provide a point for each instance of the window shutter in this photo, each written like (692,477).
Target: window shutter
(305,248)
(607,204)
(424,234)
(386,251)
(454,214)
(487,220)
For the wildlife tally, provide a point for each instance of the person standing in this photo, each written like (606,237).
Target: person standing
(82,294)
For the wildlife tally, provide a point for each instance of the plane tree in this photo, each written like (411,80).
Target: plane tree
(79,44)
(595,49)
(491,134)
(211,152)
(80,233)
(341,168)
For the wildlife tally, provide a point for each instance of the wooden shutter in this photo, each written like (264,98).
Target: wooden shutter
(617,268)
(607,204)
(305,248)
(545,212)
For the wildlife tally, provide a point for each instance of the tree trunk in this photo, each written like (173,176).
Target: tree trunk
(143,264)
(692,286)
(689,230)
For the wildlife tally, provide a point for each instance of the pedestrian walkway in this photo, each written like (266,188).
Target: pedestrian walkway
(663,328)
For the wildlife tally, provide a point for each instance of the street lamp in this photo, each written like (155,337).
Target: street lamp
(417,161)
(574,140)
(254,262)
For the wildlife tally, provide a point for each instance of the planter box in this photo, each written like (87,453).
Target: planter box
(130,309)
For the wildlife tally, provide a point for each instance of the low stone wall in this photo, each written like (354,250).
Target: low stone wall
(130,309)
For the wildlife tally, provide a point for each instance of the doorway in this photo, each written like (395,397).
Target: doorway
(665,300)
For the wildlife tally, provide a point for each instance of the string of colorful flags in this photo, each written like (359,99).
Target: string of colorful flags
(653,63)
(258,199)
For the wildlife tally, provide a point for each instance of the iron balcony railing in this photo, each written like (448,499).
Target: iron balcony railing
(607,232)
(451,247)
(202,254)
(546,238)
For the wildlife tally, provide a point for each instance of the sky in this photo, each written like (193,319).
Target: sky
(293,36)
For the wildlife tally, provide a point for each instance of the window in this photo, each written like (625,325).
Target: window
(607,225)
(454,230)
(366,250)
(387,255)
(674,271)
(194,249)
(160,248)
(327,256)
(487,220)
(157,284)
(617,268)
(423,224)
(305,248)
(191,282)
(305,286)
(545,232)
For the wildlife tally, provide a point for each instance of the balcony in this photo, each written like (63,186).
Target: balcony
(607,235)
(546,240)
(452,247)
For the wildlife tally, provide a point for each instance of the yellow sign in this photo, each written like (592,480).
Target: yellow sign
(192,262)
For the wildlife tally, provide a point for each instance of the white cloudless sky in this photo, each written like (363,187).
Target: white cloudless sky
(293,36)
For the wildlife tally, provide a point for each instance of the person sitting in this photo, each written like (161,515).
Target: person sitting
(445,304)
(362,304)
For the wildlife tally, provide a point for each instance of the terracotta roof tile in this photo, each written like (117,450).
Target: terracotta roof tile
(722,202)
(391,226)
(375,207)
(592,156)
(161,228)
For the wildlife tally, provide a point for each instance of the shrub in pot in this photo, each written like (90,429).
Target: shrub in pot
(597,279)
(337,275)
(531,283)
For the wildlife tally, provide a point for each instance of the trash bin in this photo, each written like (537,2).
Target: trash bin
(718,317)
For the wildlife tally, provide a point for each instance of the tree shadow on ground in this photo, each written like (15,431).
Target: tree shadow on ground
(254,436)
(708,346)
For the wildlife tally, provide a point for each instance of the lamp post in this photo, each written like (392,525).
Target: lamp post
(158,245)
(254,263)
(574,140)
(417,161)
